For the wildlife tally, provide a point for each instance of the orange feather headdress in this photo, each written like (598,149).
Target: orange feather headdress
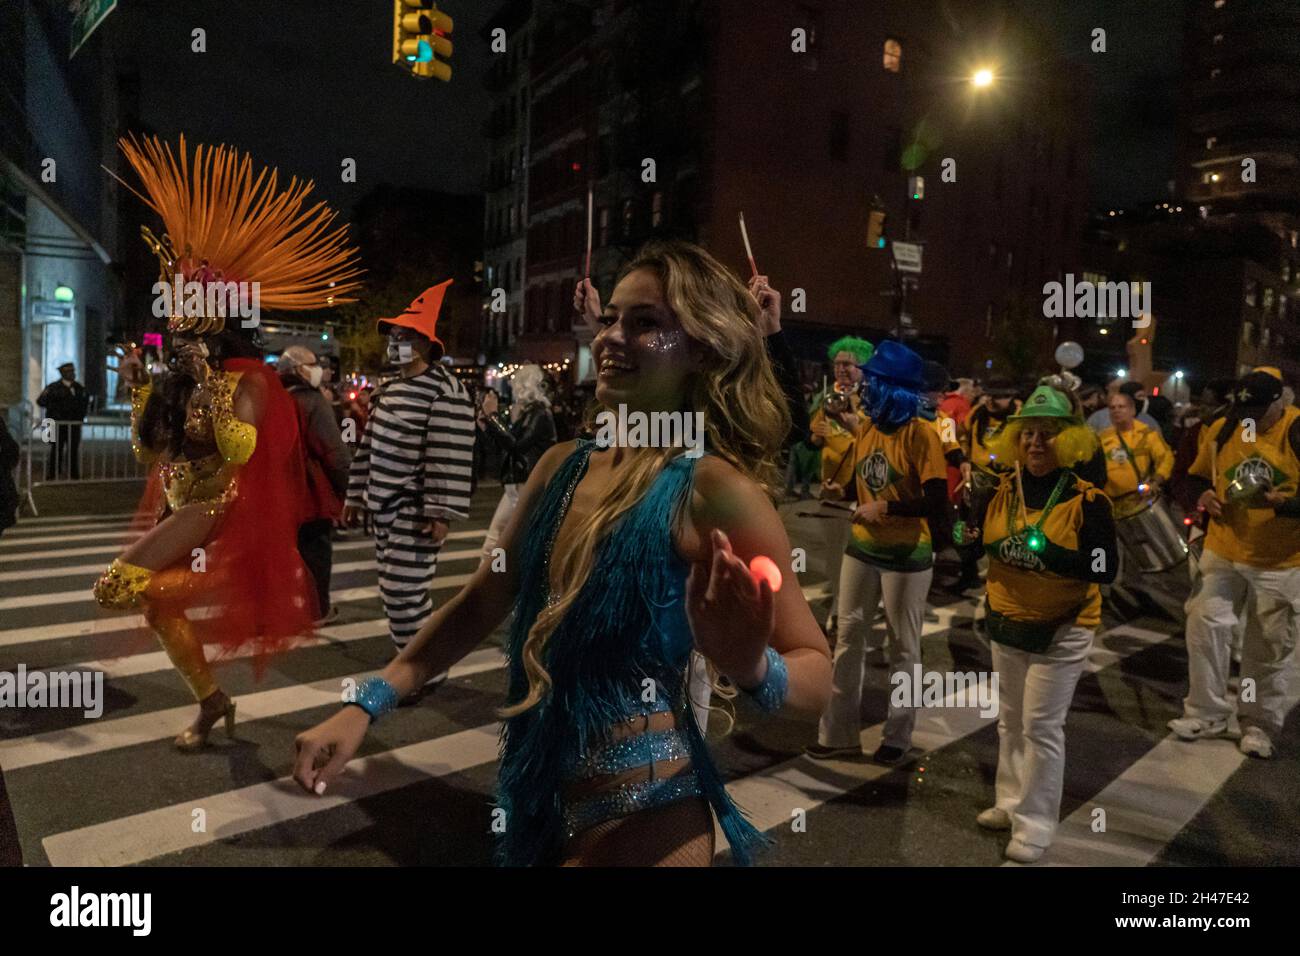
(223,225)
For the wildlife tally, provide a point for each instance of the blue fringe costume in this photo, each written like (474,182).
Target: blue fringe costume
(627,624)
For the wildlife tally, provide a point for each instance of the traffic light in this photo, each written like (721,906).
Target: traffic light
(420,36)
(876,229)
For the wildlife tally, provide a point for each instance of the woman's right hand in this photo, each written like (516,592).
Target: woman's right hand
(586,302)
(820,428)
(324,750)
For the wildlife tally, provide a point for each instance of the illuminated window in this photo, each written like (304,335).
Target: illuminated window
(1211,142)
(893,58)
(1218,38)
(1219,3)
(1214,73)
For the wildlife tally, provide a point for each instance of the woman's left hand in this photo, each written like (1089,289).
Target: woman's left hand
(732,615)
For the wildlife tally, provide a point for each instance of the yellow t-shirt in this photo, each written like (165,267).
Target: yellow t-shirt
(1255,536)
(975,447)
(1020,584)
(1149,452)
(838,444)
(893,468)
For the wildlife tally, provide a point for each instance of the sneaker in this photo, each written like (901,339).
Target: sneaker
(1193,728)
(1255,743)
(1022,852)
(818,752)
(994,818)
(889,756)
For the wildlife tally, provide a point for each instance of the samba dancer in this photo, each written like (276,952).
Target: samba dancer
(227,481)
(602,761)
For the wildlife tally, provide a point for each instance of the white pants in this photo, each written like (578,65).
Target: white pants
(862,586)
(1034,694)
(1271,598)
(500,518)
(835,538)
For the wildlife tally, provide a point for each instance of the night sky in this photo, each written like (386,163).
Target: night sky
(305,84)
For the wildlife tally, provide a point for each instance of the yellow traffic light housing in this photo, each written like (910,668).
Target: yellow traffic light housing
(420,37)
(876,229)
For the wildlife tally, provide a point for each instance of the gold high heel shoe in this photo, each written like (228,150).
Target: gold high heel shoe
(189,741)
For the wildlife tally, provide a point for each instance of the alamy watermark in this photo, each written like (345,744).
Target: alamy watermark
(955,689)
(76,690)
(208,299)
(1098,300)
(624,429)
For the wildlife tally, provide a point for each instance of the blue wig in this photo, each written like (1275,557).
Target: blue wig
(891,406)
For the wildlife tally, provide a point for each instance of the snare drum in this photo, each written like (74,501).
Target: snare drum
(1152,538)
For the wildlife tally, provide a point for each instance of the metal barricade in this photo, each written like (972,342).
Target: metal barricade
(70,452)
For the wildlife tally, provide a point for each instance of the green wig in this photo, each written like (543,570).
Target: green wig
(861,349)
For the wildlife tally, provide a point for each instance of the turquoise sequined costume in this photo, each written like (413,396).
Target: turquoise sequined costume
(627,624)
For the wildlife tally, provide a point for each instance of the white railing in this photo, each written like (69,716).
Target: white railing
(69,452)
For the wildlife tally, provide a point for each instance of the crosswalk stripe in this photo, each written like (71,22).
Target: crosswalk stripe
(156,661)
(126,535)
(771,795)
(154,833)
(1152,800)
(344,567)
(62,519)
(98,736)
(113,551)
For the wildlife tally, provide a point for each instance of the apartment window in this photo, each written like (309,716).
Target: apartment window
(1218,4)
(1211,142)
(1252,293)
(627,218)
(512,220)
(1214,73)
(656,210)
(893,56)
(1269,298)
(1218,38)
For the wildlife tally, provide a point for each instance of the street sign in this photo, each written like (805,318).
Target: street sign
(87,15)
(908,256)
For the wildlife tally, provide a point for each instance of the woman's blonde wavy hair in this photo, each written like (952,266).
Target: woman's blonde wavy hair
(746,419)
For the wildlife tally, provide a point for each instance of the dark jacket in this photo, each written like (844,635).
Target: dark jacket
(8,489)
(65,402)
(327,456)
(523,441)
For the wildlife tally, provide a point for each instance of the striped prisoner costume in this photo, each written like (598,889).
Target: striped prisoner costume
(414,464)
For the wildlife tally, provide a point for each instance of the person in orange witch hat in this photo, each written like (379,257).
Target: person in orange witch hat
(412,470)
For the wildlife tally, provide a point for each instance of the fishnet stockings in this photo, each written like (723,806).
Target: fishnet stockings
(679,834)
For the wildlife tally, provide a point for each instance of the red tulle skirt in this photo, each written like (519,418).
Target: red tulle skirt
(254,589)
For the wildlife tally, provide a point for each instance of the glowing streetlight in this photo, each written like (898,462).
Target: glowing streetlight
(982,78)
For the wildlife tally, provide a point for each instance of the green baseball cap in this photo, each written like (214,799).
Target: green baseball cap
(1047,402)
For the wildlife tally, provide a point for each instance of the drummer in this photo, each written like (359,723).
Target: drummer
(1138,462)
(902,495)
(1050,540)
(836,444)
(1249,469)
(980,469)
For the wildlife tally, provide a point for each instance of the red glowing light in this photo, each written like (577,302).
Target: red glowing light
(1188,522)
(764,567)
(576,167)
(352,394)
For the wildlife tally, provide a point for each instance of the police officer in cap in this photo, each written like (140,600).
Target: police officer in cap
(66,401)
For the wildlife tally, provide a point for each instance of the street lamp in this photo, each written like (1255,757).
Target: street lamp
(982,78)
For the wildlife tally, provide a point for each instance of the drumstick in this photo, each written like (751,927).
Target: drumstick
(589,198)
(1020,489)
(744,234)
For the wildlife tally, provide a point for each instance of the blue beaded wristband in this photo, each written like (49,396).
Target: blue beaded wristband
(770,695)
(376,697)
